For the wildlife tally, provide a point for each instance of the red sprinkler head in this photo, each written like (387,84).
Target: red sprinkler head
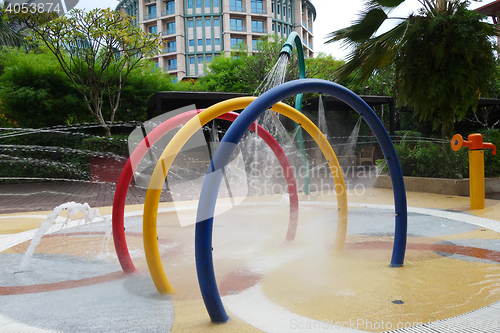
(474,142)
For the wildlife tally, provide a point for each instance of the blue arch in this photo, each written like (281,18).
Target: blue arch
(208,197)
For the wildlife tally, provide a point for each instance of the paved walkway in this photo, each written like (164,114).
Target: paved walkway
(45,196)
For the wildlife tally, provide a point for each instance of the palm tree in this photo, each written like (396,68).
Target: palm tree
(442,56)
(11,33)
(371,52)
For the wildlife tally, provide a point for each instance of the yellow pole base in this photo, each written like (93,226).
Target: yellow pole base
(476,179)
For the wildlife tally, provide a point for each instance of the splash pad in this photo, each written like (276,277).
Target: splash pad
(300,285)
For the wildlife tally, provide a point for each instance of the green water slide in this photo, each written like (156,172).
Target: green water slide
(288,48)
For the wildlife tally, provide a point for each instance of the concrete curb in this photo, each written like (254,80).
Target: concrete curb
(438,185)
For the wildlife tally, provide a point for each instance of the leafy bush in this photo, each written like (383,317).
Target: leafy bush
(115,144)
(35,92)
(491,162)
(43,155)
(428,159)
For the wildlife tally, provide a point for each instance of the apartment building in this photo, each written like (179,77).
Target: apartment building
(195,31)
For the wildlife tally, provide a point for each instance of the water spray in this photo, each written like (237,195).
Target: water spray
(287,49)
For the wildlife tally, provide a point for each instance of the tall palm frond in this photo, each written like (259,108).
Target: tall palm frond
(369,51)
(11,33)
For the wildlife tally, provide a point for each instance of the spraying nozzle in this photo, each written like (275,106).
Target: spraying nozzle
(287,48)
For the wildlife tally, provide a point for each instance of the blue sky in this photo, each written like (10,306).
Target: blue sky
(331,15)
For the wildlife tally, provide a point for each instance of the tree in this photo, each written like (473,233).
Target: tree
(97,50)
(442,56)
(323,66)
(244,72)
(11,33)
(224,74)
(445,65)
(142,83)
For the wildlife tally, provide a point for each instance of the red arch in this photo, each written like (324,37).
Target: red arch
(141,150)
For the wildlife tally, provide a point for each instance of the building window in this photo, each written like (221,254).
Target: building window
(171,28)
(200,59)
(200,42)
(236,24)
(272,7)
(208,42)
(207,3)
(190,3)
(151,12)
(216,22)
(272,26)
(153,29)
(198,3)
(191,42)
(255,44)
(258,26)
(236,5)
(216,3)
(190,23)
(209,58)
(236,41)
(257,6)
(278,6)
(172,64)
(170,7)
(279,28)
(198,22)
(207,22)
(191,60)
(216,41)
(172,46)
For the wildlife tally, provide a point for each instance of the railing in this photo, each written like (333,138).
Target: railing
(304,24)
(172,48)
(169,49)
(238,9)
(168,32)
(236,28)
(170,67)
(259,10)
(259,30)
(149,16)
(168,12)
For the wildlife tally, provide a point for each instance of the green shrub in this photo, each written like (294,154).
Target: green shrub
(43,155)
(491,162)
(115,144)
(37,168)
(428,159)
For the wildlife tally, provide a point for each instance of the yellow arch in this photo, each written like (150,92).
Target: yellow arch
(175,145)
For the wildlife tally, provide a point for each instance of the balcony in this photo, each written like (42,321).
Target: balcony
(170,68)
(259,30)
(168,32)
(149,16)
(259,11)
(238,9)
(304,24)
(238,28)
(168,12)
(169,49)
